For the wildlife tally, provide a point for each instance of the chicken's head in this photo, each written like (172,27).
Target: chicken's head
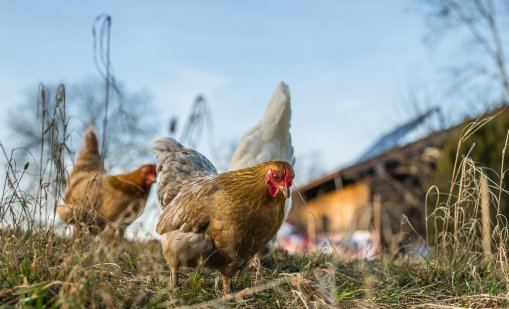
(148,174)
(279,177)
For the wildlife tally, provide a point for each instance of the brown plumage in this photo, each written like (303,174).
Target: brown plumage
(98,200)
(221,219)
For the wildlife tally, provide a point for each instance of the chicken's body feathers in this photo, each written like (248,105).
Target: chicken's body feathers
(222,219)
(96,199)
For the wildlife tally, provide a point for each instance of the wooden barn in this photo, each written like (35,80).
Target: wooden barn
(388,182)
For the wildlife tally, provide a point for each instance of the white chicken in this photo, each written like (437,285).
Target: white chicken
(270,139)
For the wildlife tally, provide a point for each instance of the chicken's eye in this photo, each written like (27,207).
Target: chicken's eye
(276,177)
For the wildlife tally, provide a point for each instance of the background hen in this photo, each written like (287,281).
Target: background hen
(224,218)
(270,139)
(97,200)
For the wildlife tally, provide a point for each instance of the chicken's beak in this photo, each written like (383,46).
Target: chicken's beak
(285,191)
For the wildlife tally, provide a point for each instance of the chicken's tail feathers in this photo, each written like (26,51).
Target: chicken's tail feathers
(176,165)
(90,140)
(284,89)
(279,104)
(270,139)
(170,152)
(278,116)
(89,158)
(163,147)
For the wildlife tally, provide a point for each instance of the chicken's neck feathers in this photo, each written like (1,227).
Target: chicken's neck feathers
(129,182)
(248,185)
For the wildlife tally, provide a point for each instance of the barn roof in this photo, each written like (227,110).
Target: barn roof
(413,130)
(402,142)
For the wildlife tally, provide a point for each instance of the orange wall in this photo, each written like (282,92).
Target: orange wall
(341,207)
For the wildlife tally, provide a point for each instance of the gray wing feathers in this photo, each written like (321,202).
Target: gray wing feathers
(177,166)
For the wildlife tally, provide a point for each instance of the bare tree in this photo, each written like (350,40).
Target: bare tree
(130,124)
(199,124)
(484,26)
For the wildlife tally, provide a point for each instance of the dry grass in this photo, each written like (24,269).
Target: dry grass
(40,267)
(46,270)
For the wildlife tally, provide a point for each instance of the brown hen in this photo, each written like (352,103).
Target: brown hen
(96,200)
(220,219)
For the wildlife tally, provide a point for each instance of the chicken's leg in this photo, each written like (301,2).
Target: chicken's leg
(257,265)
(173,277)
(226,284)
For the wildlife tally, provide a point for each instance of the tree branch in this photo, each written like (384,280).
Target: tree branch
(499,53)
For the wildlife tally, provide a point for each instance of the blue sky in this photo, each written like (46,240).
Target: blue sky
(348,64)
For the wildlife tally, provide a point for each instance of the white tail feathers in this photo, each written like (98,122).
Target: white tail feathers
(279,105)
(270,139)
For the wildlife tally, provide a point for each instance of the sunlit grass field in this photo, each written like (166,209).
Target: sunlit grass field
(41,267)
